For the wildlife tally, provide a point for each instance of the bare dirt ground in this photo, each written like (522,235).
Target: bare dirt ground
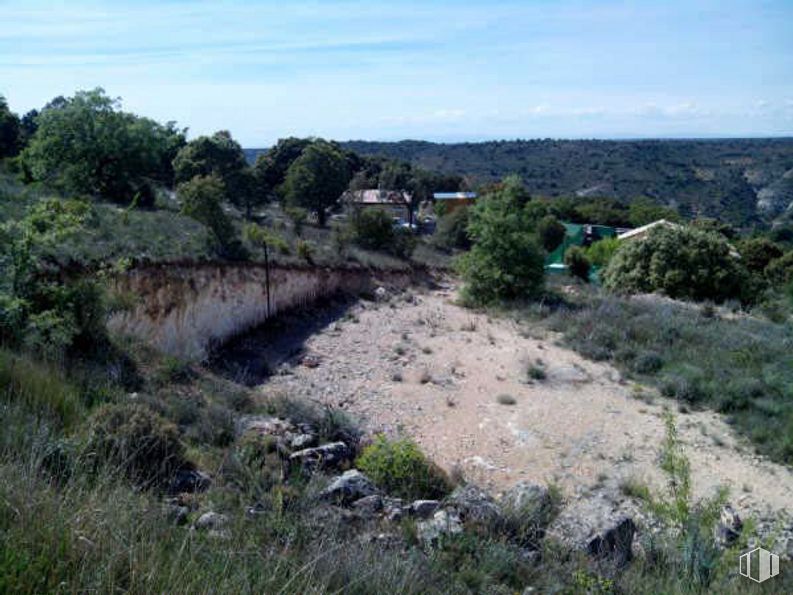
(419,364)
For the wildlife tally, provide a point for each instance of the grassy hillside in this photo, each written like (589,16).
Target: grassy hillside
(739,180)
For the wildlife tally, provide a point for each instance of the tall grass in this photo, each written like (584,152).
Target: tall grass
(739,365)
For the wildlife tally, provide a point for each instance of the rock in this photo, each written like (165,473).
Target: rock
(211,521)
(348,487)
(311,360)
(266,426)
(189,481)
(423,509)
(327,456)
(526,496)
(596,527)
(443,523)
(729,527)
(381,294)
(369,504)
(394,509)
(303,441)
(177,514)
(569,374)
(474,506)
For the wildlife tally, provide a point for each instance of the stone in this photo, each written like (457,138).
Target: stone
(303,441)
(394,509)
(266,426)
(473,505)
(381,294)
(597,528)
(524,495)
(327,456)
(211,521)
(348,487)
(423,509)
(369,504)
(177,514)
(443,523)
(729,527)
(189,481)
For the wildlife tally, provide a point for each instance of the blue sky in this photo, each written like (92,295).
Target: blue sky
(433,70)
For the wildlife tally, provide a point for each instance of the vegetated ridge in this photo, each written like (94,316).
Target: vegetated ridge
(739,180)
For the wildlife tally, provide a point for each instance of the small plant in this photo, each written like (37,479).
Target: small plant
(425,376)
(305,250)
(505,399)
(577,263)
(469,326)
(426,350)
(400,468)
(138,441)
(634,488)
(536,372)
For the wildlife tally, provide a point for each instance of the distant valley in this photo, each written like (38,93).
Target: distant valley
(744,181)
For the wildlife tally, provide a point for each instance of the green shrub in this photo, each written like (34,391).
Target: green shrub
(137,441)
(550,232)
(505,262)
(757,253)
(400,468)
(601,252)
(577,263)
(305,250)
(780,270)
(372,229)
(261,236)
(679,262)
(452,230)
(298,217)
(201,199)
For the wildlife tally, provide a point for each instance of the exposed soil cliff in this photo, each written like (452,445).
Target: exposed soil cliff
(183,310)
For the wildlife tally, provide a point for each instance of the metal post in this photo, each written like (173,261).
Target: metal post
(267,276)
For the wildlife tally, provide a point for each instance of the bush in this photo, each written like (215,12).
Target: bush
(400,468)
(601,252)
(260,236)
(757,253)
(201,198)
(505,262)
(136,440)
(372,229)
(679,262)
(452,230)
(577,263)
(551,233)
(780,270)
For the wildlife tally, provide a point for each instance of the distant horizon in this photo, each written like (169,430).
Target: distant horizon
(446,70)
(551,138)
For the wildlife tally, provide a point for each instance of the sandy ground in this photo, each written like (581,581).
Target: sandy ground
(422,365)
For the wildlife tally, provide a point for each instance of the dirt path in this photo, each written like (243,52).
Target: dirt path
(423,365)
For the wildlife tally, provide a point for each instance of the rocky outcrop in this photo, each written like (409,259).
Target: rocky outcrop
(184,310)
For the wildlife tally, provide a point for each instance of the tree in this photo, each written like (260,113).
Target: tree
(757,253)
(550,232)
(505,261)
(9,130)
(679,262)
(221,156)
(86,145)
(577,263)
(601,252)
(317,178)
(271,167)
(218,155)
(201,199)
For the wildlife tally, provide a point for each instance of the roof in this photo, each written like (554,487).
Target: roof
(454,195)
(640,231)
(376,197)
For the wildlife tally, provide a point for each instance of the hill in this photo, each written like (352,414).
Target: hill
(743,181)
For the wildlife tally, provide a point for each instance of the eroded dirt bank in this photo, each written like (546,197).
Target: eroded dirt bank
(418,363)
(184,310)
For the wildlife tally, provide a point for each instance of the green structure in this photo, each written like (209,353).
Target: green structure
(576,234)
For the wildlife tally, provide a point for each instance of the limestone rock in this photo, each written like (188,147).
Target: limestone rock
(443,523)
(327,456)
(596,527)
(348,487)
(473,505)
(423,509)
